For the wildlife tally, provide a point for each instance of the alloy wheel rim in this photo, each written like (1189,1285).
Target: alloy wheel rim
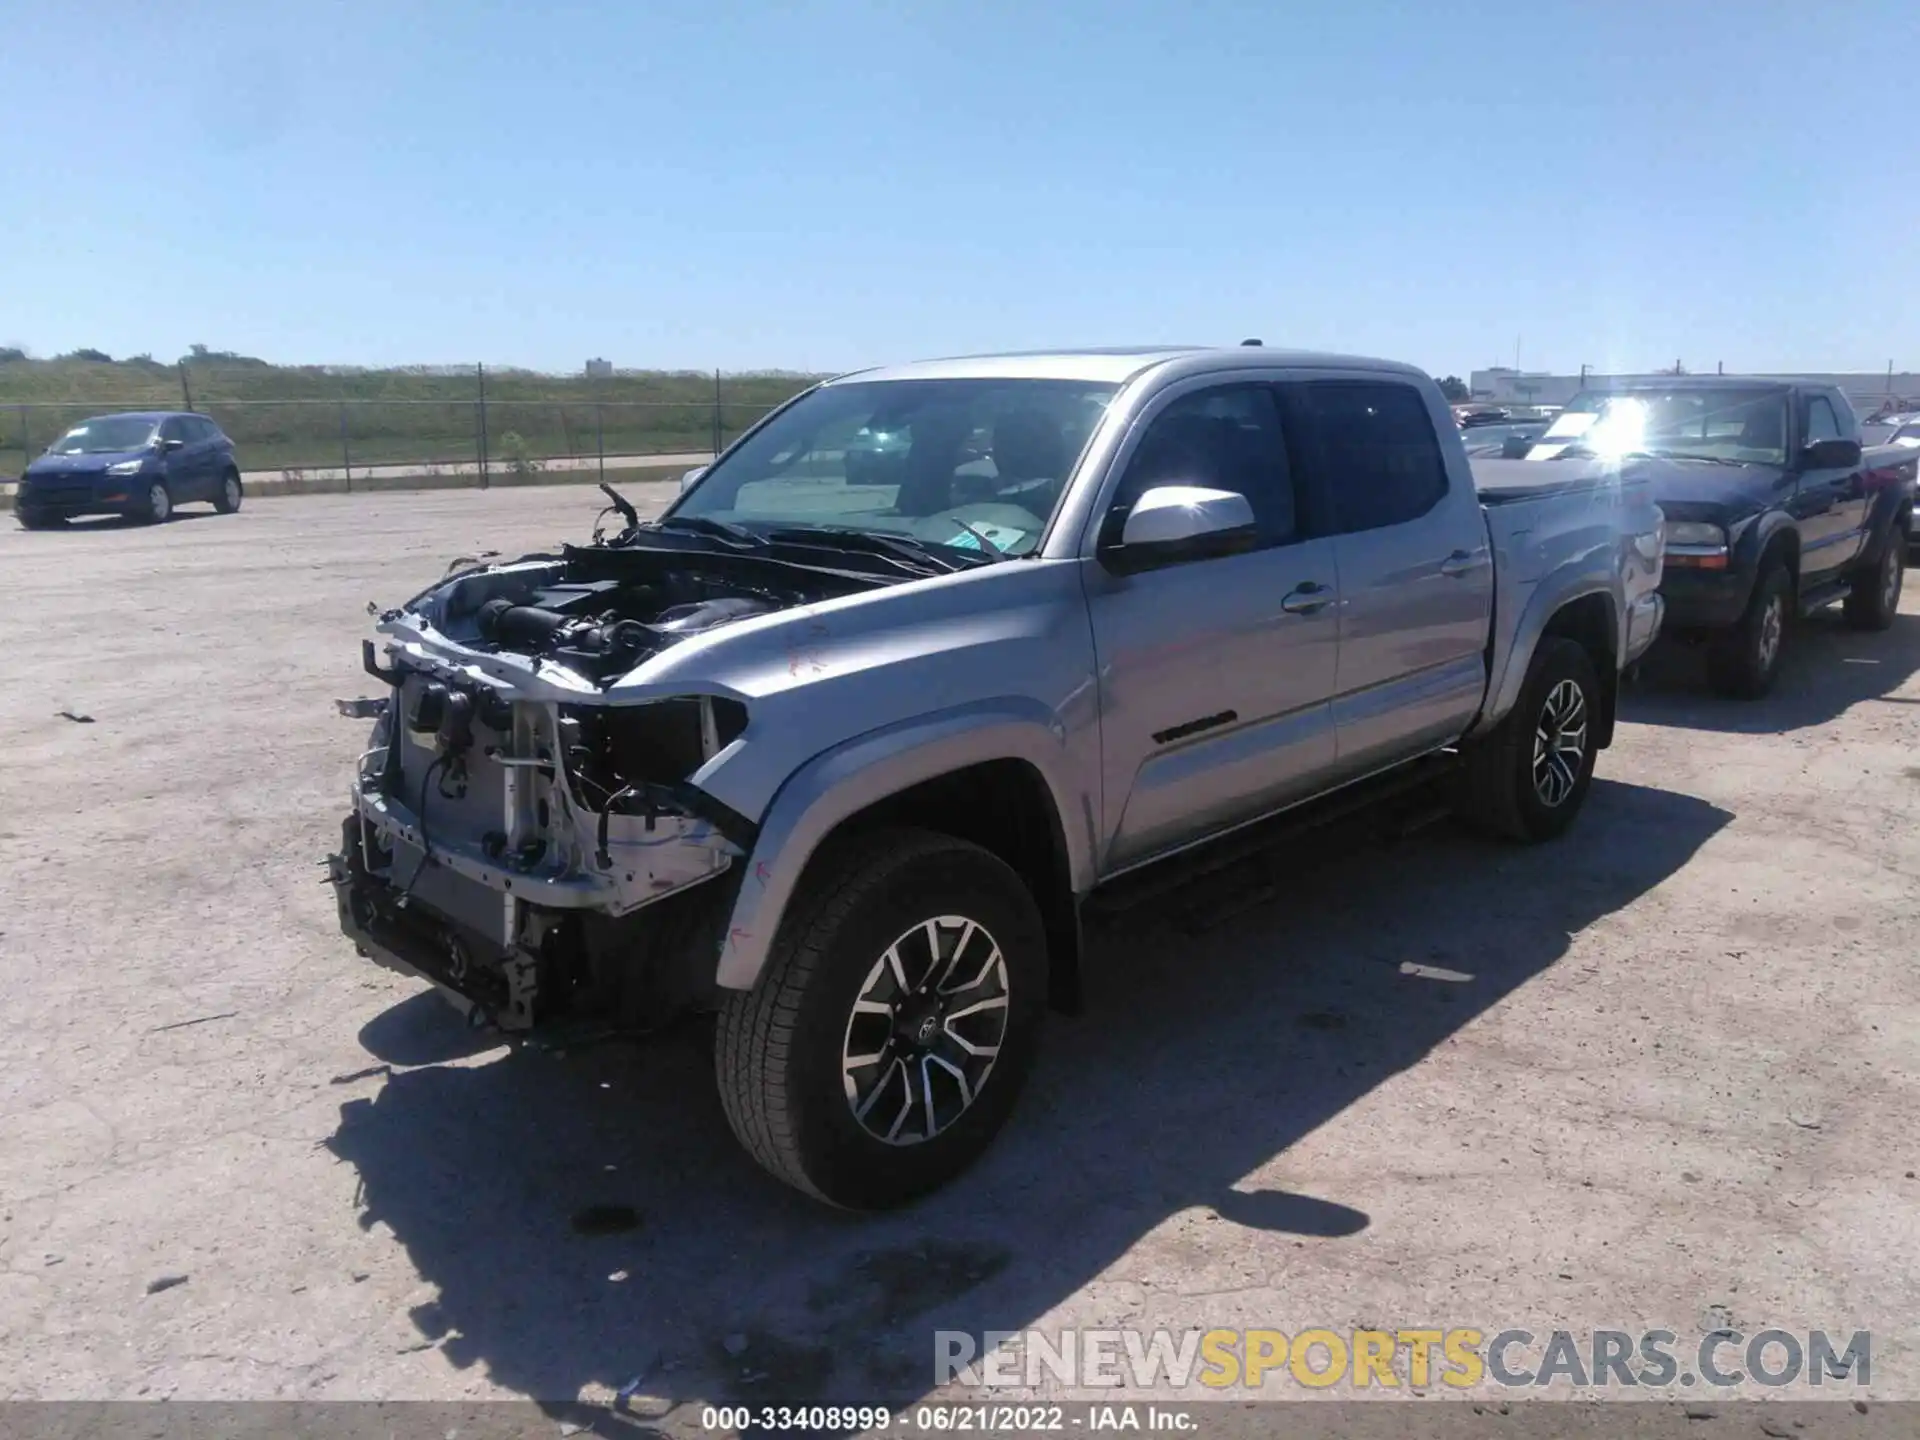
(233,493)
(159,501)
(1895,567)
(1772,622)
(925,1030)
(1559,744)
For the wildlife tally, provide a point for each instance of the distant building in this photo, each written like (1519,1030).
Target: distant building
(599,369)
(1503,385)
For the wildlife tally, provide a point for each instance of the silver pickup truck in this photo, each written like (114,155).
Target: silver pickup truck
(843,743)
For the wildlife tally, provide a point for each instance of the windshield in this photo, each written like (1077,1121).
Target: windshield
(1703,423)
(975,465)
(103,437)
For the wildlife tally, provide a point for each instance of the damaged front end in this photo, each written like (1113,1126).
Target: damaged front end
(525,834)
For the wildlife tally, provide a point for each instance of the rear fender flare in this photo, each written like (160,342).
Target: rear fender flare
(1547,600)
(840,783)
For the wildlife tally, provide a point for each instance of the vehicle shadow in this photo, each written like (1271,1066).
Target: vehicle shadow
(588,1220)
(1826,671)
(93,524)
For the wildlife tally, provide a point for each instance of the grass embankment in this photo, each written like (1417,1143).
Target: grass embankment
(292,417)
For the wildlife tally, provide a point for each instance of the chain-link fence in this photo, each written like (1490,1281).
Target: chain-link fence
(494,431)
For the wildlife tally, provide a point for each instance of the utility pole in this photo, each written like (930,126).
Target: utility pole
(480,374)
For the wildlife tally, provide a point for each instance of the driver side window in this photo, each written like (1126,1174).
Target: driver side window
(1225,438)
(1821,421)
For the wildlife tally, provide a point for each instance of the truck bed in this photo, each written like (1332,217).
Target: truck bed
(1505,482)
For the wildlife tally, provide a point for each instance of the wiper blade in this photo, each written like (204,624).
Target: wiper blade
(1587,452)
(1702,459)
(736,535)
(904,547)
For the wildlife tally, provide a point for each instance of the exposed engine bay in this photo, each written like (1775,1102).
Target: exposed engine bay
(599,612)
(510,824)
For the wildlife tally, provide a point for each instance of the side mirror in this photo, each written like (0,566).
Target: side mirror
(168,444)
(691,478)
(1831,455)
(1171,523)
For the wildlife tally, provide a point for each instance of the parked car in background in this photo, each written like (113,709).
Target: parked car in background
(841,745)
(1902,431)
(1478,415)
(1774,508)
(140,464)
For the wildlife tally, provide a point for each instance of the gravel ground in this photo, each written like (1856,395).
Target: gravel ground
(1661,1074)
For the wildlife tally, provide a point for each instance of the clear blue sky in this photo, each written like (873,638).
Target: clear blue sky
(829,183)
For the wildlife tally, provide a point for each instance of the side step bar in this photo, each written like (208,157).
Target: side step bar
(1156,880)
(1822,596)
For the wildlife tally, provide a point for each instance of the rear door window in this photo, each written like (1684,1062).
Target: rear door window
(1368,448)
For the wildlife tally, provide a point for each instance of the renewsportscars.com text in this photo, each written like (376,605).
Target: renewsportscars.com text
(1413,1358)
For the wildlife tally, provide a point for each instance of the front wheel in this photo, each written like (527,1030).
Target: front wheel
(1744,661)
(893,1028)
(1874,600)
(38,520)
(159,507)
(1528,778)
(228,500)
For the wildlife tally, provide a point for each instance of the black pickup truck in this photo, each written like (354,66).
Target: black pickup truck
(1773,507)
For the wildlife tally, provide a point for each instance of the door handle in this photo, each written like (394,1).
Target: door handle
(1307,598)
(1461,562)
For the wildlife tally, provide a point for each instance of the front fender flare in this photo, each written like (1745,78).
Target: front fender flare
(845,780)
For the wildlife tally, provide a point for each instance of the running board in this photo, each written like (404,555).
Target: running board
(1822,596)
(1157,879)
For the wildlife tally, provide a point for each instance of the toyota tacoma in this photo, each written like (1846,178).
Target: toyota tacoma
(842,744)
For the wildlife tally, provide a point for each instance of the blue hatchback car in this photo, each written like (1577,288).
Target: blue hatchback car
(140,464)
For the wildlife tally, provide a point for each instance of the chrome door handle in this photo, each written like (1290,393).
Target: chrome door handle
(1461,562)
(1307,598)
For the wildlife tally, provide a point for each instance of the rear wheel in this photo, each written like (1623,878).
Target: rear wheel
(1528,778)
(1742,662)
(886,1042)
(231,493)
(159,506)
(1875,597)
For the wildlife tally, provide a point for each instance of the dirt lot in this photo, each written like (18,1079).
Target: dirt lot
(1660,1074)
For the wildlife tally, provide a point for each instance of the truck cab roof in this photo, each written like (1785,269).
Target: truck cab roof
(1117,366)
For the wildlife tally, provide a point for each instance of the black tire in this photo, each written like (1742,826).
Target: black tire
(1744,660)
(38,520)
(1875,598)
(779,1048)
(158,507)
(231,493)
(1503,791)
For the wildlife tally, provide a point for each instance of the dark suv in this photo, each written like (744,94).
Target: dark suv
(140,465)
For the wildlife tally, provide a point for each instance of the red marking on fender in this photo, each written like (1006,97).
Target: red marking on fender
(760,872)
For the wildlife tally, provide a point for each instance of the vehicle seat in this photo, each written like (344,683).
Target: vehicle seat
(1029,446)
(1763,430)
